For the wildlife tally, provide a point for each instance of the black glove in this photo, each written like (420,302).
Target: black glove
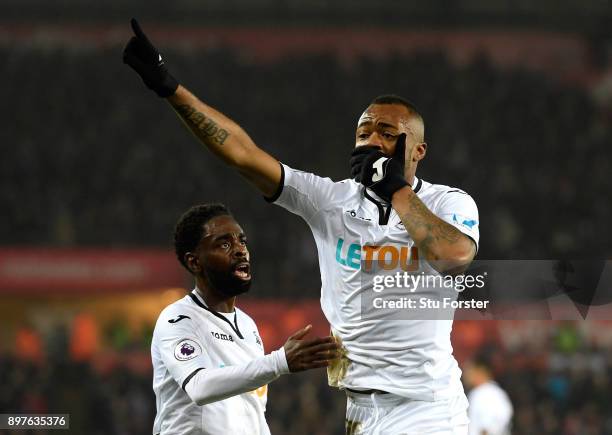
(381,173)
(144,58)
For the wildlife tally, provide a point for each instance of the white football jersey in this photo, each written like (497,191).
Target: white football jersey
(188,337)
(410,358)
(490,410)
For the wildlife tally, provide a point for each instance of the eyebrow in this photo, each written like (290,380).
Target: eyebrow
(228,236)
(382,124)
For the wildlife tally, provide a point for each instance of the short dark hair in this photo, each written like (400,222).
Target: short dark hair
(484,359)
(190,227)
(396,99)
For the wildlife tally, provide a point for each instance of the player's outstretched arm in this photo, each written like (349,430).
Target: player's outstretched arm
(217,132)
(227,140)
(211,385)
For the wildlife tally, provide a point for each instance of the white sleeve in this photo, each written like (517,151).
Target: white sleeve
(304,193)
(211,385)
(180,348)
(459,209)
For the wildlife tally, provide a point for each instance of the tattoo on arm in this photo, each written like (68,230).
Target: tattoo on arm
(422,223)
(209,128)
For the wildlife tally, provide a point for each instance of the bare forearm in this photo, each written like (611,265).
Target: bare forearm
(227,140)
(441,243)
(216,131)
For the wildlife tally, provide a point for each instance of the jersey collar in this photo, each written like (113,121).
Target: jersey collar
(384,208)
(200,303)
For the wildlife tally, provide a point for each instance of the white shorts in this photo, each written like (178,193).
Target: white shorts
(388,414)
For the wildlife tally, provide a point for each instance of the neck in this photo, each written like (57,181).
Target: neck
(410,175)
(214,300)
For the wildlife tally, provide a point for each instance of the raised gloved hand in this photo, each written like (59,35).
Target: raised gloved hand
(376,170)
(144,58)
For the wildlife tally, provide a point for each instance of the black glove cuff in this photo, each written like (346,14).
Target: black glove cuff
(166,87)
(387,188)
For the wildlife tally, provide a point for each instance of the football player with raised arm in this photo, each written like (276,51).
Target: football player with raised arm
(210,373)
(400,376)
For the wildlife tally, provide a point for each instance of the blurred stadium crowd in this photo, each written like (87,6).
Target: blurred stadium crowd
(558,380)
(90,157)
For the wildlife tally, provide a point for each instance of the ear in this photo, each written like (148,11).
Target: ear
(419,152)
(193,264)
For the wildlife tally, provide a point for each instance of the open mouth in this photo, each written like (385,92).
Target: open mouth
(242,271)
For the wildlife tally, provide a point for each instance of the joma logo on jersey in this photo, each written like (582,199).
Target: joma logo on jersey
(221,336)
(387,257)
